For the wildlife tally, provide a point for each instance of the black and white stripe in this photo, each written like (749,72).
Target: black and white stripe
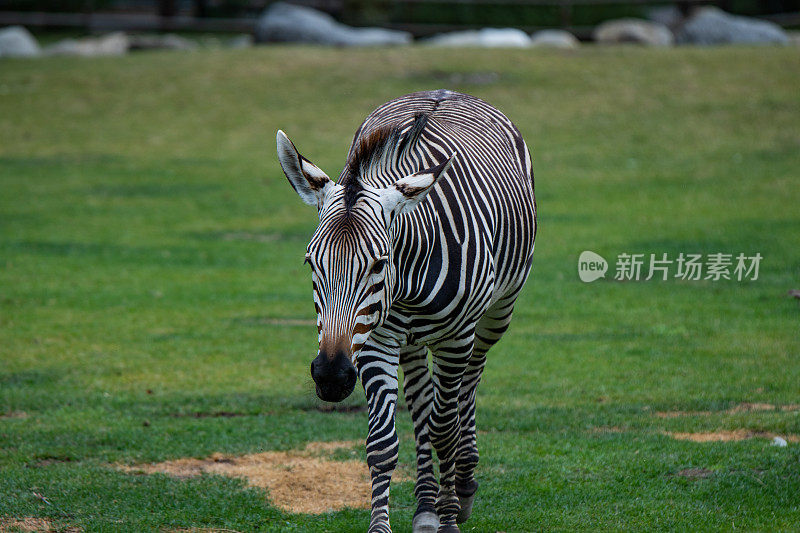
(403,264)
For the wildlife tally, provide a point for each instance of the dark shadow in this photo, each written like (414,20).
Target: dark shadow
(28,378)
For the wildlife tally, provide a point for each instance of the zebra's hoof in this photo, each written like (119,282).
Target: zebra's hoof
(449,529)
(466,508)
(425,522)
(466,496)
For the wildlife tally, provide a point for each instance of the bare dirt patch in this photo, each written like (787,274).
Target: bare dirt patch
(750,407)
(213,414)
(47,460)
(13,414)
(729,435)
(607,429)
(693,473)
(678,414)
(32,523)
(327,447)
(299,481)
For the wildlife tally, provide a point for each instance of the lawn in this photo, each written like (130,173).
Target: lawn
(154,304)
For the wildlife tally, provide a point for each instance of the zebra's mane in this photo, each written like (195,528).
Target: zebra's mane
(381,148)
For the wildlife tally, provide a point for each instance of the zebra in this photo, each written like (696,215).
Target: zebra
(424,243)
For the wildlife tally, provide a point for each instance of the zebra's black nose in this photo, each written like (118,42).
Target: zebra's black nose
(335,378)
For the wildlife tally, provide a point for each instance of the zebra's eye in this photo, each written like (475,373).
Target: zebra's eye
(307,260)
(378,265)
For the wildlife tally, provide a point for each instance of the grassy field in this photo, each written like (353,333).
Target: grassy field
(154,305)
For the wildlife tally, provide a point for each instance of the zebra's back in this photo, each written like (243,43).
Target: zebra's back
(488,196)
(456,120)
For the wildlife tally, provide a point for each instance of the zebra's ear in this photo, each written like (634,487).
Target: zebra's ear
(405,194)
(307,179)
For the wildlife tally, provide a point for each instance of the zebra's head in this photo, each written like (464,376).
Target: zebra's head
(351,256)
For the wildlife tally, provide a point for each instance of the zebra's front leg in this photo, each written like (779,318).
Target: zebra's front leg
(418,390)
(377,368)
(449,362)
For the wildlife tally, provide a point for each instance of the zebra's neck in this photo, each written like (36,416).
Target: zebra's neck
(415,239)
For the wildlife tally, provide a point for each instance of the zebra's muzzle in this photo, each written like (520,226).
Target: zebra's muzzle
(335,379)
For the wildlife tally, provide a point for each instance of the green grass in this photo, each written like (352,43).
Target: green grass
(149,245)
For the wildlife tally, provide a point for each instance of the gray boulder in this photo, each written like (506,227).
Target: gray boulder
(240,41)
(284,22)
(631,30)
(16,41)
(169,41)
(669,16)
(485,38)
(112,44)
(710,25)
(554,39)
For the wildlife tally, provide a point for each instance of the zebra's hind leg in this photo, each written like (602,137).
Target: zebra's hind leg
(450,360)
(418,390)
(467,454)
(489,330)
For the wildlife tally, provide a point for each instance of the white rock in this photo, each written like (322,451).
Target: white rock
(632,30)
(240,41)
(112,44)
(169,41)
(283,22)
(779,442)
(554,39)
(16,41)
(484,38)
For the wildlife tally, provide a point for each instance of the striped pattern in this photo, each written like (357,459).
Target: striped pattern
(443,276)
